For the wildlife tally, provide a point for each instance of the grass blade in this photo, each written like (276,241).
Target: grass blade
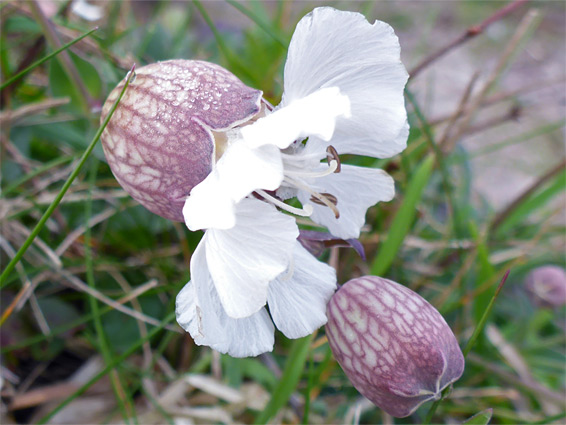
(481,418)
(120,392)
(45,59)
(64,189)
(403,219)
(518,212)
(289,380)
(268,30)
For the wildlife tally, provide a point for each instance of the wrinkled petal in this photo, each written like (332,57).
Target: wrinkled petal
(356,189)
(199,312)
(331,48)
(297,299)
(313,115)
(244,259)
(239,172)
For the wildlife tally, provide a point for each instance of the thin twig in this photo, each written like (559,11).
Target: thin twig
(512,114)
(533,387)
(470,33)
(71,237)
(522,30)
(459,112)
(66,61)
(501,97)
(31,109)
(83,287)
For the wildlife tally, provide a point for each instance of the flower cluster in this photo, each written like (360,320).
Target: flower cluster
(244,159)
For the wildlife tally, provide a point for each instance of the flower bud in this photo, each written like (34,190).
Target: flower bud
(546,286)
(168,129)
(394,346)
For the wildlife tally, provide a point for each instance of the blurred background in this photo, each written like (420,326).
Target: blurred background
(87,332)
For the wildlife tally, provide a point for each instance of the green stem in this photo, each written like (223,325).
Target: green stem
(44,59)
(64,189)
(65,59)
(119,390)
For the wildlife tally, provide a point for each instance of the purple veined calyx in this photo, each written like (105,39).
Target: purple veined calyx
(169,126)
(546,286)
(395,347)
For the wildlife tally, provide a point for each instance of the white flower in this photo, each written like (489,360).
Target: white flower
(343,90)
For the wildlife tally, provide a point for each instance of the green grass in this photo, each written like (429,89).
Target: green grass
(442,236)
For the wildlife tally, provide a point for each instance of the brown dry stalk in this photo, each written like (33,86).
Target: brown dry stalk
(459,112)
(42,395)
(501,97)
(522,30)
(470,33)
(31,109)
(65,58)
(534,388)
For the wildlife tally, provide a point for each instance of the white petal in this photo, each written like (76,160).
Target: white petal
(239,172)
(200,313)
(297,302)
(86,11)
(209,206)
(314,114)
(357,189)
(331,48)
(244,259)
(243,169)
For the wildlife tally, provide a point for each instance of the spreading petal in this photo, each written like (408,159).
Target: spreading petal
(315,114)
(297,299)
(244,259)
(356,189)
(239,172)
(331,48)
(200,313)
(209,206)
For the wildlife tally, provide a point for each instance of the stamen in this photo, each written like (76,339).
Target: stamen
(328,196)
(300,157)
(332,167)
(320,197)
(332,154)
(306,211)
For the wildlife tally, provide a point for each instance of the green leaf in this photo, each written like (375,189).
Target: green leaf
(21,24)
(481,418)
(61,86)
(403,218)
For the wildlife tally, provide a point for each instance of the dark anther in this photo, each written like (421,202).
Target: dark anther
(327,200)
(331,154)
